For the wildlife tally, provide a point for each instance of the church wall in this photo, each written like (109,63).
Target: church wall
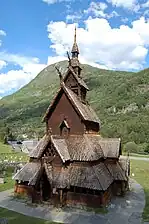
(83,199)
(107,196)
(57,162)
(64,109)
(23,189)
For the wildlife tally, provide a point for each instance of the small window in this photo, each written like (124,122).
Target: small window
(64,128)
(75,91)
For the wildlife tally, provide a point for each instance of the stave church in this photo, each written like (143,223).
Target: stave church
(73,164)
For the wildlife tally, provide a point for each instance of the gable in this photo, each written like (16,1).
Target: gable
(73,77)
(62,109)
(70,80)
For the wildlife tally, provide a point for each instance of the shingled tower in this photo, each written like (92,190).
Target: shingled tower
(72,163)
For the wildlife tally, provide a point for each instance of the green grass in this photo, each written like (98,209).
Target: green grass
(141,172)
(136,155)
(14,157)
(16,218)
(5,148)
(6,153)
(9,183)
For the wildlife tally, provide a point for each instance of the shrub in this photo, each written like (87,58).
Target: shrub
(146,148)
(131,147)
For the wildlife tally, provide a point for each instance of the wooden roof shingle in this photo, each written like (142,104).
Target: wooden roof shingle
(28,173)
(92,177)
(116,171)
(40,147)
(77,148)
(110,147)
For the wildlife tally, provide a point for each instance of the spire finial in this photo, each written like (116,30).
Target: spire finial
(75,35)
(75,48)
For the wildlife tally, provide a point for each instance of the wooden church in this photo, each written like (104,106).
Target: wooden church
(72,164)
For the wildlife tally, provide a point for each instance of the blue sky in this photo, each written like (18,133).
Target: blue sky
(111,34)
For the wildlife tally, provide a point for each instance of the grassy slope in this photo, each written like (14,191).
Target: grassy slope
(108,89)
(141,172)
(9,183)
(16,218)
(6,153)
(5,148)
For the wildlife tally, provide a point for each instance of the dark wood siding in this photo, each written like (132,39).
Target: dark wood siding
(92,126)
(64,109)
(70,81)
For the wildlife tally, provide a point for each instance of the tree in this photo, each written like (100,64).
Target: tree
(131,147)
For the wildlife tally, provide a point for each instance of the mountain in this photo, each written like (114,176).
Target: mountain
(121,100)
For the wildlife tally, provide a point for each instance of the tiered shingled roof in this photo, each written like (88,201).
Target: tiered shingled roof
(96,177)
(87,147)
(29,173)
(40,147)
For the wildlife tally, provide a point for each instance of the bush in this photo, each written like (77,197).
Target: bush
(146,150)
(131,147)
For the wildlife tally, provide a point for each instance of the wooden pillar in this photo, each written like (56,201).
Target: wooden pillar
(41,193)
(61,196)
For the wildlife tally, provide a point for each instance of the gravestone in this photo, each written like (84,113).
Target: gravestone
(3,221)
(1,180)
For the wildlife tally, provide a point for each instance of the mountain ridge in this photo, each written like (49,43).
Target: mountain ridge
(120,99)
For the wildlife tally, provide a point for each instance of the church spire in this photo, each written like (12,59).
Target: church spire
(74,61)
(75,49)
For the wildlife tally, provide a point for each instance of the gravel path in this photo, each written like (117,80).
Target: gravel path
(122,210)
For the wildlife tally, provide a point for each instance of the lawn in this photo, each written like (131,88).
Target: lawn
(136,155)
(141,175)
(9,183)
(5,148)
(16,218)
(7,154)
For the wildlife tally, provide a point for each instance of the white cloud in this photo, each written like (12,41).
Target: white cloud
(2,33)
(2,64)
(115,48)
(52,60)
(74,17)
(145,5)
(129,4)
(97,9)
(49,2)
(124,20)
(17,59)
(15,79)
(141,27)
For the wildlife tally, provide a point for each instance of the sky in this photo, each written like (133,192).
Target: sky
(111,34)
